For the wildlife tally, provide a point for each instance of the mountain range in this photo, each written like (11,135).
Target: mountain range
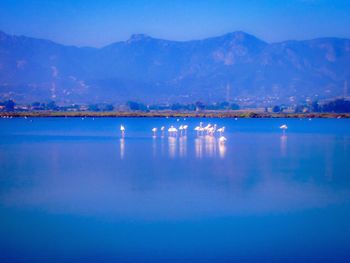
(235,66)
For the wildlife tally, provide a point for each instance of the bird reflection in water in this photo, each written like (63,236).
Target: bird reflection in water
(183,146)
(283,145)
(199,147)
(222,150)
(122,148)
(210,145)
(162,146)
(172,146)
(206,142)
(154,146)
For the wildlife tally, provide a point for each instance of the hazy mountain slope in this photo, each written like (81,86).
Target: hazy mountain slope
(144,68)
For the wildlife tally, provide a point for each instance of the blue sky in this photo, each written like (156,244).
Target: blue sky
(100,22)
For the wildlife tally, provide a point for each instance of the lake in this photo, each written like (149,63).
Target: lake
(73,190)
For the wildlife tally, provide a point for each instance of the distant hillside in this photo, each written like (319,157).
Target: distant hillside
(235,65)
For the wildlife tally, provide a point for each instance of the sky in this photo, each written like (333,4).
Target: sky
(101,22)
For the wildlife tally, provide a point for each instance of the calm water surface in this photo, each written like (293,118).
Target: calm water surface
(72,190)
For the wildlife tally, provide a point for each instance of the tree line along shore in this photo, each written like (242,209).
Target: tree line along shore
(338,108)
(172,114)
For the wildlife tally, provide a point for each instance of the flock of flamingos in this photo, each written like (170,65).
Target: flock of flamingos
(208,130)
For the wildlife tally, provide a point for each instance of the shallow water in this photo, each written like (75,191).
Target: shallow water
(72,190)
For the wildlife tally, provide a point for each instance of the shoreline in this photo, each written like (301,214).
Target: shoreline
(170,114)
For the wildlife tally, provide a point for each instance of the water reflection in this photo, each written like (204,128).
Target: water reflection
(283,145)
(95,192)
(172,146)
(154,146)
(122,148)
(183,146)
(207,146)
(210,145)
(222,150)
(162,146)
(199,147)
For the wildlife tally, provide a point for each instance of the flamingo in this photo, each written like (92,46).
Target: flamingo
(211,130)
(222,140)
(175,131)
(201,129)
(172,131)
(197,129)
(206,128)
(284,127)
(162,129)
(214,129)
(122,129)
(221,130)
(185,127)
(154,130)
(181,129)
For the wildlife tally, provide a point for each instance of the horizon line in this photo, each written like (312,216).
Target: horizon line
(145,36)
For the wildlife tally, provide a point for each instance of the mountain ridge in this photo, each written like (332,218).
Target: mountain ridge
(232,66)
(142,35)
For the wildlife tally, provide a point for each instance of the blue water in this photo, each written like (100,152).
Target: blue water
(71,190)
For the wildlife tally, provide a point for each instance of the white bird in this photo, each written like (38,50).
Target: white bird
(162,129)
(172,131)
(154,130)
(284,127)
(221,130)
(181,129)
(222,139)
(200,129)
(122,129)
(206,128)
(211,130)
(197,129)
(214,129)
(185,127)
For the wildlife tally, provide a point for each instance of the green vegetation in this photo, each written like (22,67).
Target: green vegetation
(334,106)
(331,109)
(203,114)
